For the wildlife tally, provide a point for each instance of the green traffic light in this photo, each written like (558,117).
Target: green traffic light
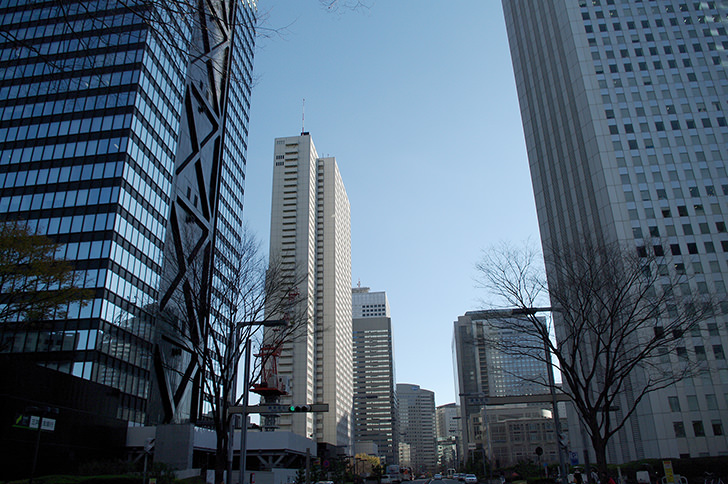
(292,408)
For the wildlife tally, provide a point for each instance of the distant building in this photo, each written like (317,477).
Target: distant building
(368,304)
(417,426)
(486,373)
(311,236)
(448,435)
(448,421)
(375,401)
(516,431)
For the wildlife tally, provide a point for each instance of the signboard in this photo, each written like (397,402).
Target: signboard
(32,422)
(574,458)
(273,408)
(472,446)
(669,474)
(48,424)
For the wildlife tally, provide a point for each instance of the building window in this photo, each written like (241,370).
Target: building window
(674,404)
(698,428)
(679,428)
(718,352)
(717,427)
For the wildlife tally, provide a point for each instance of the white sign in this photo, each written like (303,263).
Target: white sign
(48,424)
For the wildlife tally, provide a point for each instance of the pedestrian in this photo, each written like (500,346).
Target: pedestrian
(594,477)
(578,478)
(607,479)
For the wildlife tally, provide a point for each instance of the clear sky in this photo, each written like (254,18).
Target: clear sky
(416,100)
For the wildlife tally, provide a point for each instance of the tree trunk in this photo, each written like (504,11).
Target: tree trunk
(600,450)
(221,458)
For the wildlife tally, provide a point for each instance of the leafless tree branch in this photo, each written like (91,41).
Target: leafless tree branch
(619,317)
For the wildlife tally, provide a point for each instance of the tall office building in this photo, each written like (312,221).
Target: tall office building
(484,373)
(121,134)
(624,113)
(311,237)
(417,427)
(375,403)
(447,424)
(448,435)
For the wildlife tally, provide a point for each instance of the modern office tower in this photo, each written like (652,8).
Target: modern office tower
(624,114)
(485,374)
(448,435)
(310,236)
(448,421)
(118,139)
(375,403)
(367,304)
(417,426)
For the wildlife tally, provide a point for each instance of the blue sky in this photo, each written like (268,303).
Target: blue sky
(416,100)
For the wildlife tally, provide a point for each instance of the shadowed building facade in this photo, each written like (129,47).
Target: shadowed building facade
(624,114)
(121,133)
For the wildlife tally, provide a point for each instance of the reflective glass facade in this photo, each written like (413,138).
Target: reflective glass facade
(91,106)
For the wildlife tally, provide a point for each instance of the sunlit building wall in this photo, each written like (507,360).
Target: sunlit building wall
(311,238)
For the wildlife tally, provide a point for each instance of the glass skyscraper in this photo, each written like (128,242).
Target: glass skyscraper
(123,132)
(624,113)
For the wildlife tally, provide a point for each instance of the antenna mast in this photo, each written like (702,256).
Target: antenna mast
(303,117)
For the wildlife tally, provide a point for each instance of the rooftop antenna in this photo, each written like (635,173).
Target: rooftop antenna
(303,117)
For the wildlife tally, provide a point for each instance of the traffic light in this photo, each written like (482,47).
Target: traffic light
(299,408)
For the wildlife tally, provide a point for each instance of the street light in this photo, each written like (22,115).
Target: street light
(552,384)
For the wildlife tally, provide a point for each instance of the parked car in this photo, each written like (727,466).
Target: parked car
(459,477)
(471,479)
(387,479)
(437,477)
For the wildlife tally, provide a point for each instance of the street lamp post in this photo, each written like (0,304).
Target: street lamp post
(246,393)
(552,385)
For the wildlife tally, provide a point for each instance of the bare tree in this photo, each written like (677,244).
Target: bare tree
(618,320)
(245,292)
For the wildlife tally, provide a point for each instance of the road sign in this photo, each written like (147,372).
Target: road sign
(273,408)
(574,458)
(48,424)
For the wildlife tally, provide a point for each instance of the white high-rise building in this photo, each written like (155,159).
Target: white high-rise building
(624,114)
(311,237)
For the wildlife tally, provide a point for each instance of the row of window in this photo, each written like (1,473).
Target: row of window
(61,199)
(54,129)
(716,427)
(648,143)
(674,125)
(72,150)
(683,7)
(700,353)
(654,231)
